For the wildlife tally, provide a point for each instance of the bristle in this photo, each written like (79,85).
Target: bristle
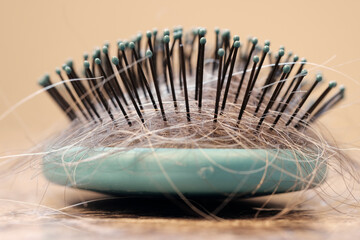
(269,80)
(58,72)
(166,40)
(275,94)
(116,62)
(149,55)
(284,106)
(254,42)
(220,53)
(236,46)
(276,91)
(334,100)
(54,93)
(82,94)
(249,87)
(201,70)
(315,104)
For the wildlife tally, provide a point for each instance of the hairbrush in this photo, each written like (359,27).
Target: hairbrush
(173,116)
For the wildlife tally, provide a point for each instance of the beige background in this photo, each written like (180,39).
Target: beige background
(37,36)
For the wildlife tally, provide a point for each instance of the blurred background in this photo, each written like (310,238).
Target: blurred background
(39,35)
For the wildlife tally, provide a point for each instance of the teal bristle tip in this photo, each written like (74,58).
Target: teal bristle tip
(67,69)
(202,40)
(166,39)
(221,52)
(139,36)
(97,61)
(267,43)
(148,34)
(176,35)
(281,52)
(303,60)
(115,60)
(155,31)
(70,63)
(342,88)
(44,81)
(254,40)
(57,70)
(304,72)
(166,32)
(319,77)
(202,31)
(332,84)
(86,56)
(286,69)
(236,44)
(296,58)
(256,59)
(131,45)
(105,50)
(266,49)
(149,53)
(217,30)
(86,64)
(122,46)
(236,38)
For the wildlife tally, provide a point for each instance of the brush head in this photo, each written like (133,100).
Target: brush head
(200,99)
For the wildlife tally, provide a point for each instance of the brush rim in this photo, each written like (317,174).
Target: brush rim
(193,172)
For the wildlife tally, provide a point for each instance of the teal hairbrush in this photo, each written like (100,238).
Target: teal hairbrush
(170,115)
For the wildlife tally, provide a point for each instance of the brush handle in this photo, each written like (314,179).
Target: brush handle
(193,172)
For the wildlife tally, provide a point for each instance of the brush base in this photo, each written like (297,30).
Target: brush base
(191,172)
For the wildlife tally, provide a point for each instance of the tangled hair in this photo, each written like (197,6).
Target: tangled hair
(258,104)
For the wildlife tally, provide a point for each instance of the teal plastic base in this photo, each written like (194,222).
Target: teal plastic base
(192,172)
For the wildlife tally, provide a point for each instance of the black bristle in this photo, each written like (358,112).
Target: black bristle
(236,47)
(169,68)
(72,95)
(58,98)
(221,53)
(280,88)
(304,98)
(100,95)
(315,104)
(183,69)
(269,80)
(254,42)
(157,88)
(275,94)
(292,93)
